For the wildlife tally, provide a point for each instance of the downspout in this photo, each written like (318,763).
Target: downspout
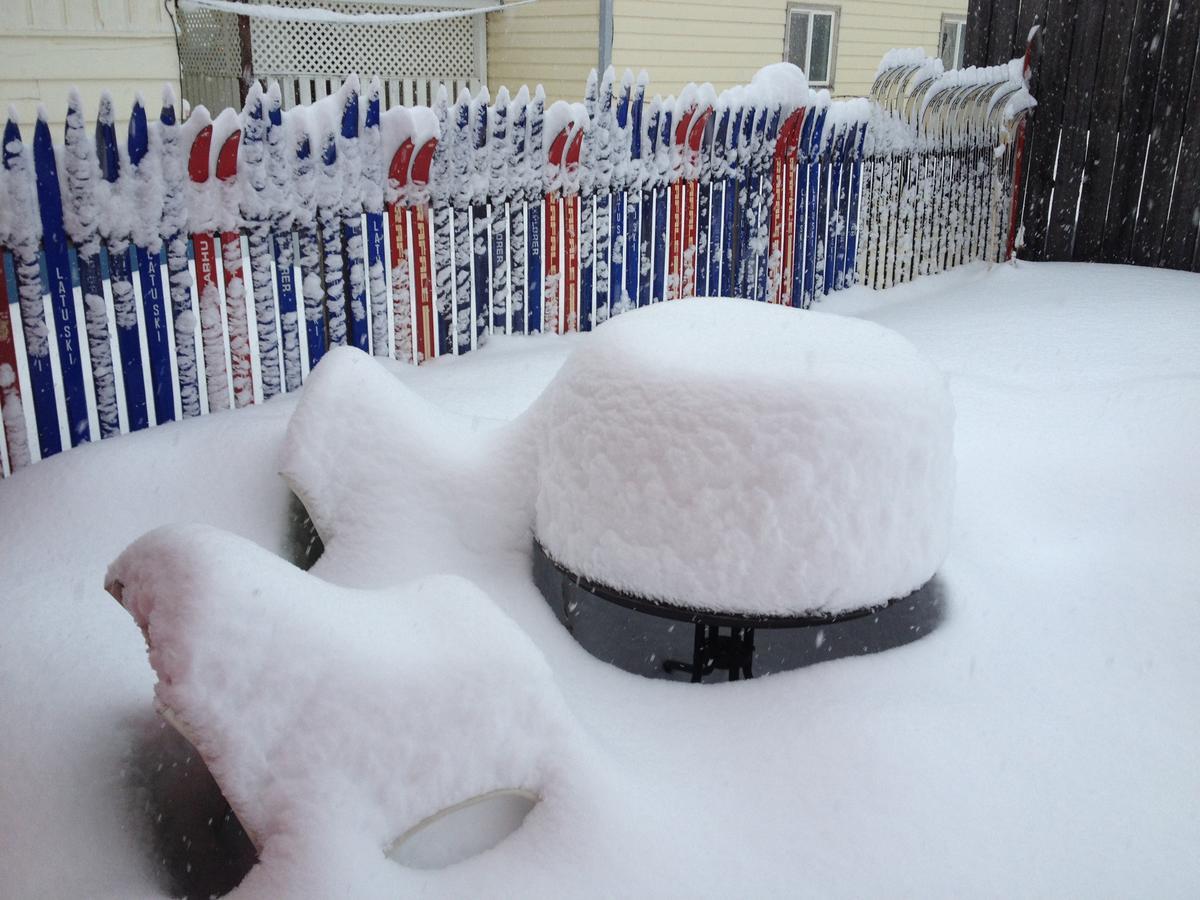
(606,35)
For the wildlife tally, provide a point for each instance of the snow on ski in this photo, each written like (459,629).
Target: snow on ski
(633,185)
(558,124)
(533,181)
(401,274)
(329,222)
(569,320)
(115,227)
(12,410)
(179,277)
(499,158)
(282,220)
(24,232)
(81,215)
(201,225)
(813,203)
(691,171)
(478,169)
(58,269)
(349,204)
(617,295)
(662,241)
(370,142)
(518,215)
(411,142)
(254,195)
(586,238)
(226,137)
(783,218)
(144,178)
(602,136)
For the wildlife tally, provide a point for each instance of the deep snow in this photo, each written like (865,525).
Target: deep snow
(1040,743)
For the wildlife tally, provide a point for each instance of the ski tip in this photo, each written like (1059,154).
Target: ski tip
(104,111)
(643,79)
(74,99)
(522,98)
(539,94)
(502,99)
(43,117)
(168,95)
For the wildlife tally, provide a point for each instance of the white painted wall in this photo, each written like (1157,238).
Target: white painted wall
(46,46)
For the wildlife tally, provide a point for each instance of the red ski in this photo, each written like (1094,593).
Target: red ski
(204,251)
(781,248)
(235,287)
(570,318)
(412,253)
(552,304)
(11,409)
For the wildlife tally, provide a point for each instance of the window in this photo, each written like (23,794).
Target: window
(810,42)
(952,41)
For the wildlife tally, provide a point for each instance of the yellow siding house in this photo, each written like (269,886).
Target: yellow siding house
(839,45)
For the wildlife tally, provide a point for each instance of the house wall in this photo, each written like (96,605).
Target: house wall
(46,46)
(551,42)
(713,40)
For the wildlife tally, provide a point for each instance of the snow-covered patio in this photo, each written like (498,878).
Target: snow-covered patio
(1039,743)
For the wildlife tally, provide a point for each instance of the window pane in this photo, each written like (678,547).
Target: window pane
(946,51)
(822,28)
(798,41)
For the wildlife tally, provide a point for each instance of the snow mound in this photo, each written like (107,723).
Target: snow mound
(736,456)
(332,716)
(370,459)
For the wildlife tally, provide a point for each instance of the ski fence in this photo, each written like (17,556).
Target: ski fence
(213,260)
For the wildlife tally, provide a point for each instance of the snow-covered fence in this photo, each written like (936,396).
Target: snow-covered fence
(943,158)
(225,254)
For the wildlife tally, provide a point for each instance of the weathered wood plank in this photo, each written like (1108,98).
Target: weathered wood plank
(1076,121)
(1136,122)
(1052,71)
(1170,101)
(979,19)
(1098,167)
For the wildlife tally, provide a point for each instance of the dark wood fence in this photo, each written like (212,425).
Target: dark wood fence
(1113,172)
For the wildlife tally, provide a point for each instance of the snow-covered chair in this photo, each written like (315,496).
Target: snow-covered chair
(335,718)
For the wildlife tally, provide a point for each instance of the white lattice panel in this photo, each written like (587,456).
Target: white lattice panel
(444,50)
(208,44)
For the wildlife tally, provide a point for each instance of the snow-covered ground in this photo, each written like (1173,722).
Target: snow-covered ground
(1040,743)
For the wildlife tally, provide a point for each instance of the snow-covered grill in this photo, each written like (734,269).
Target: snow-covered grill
(741,467)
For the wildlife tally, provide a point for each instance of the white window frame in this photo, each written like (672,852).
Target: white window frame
(960,33)
(814,9)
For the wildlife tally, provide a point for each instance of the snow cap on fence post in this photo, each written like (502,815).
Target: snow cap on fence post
(532,176)
(500,150)
(370,140)
(440,180)
(557,126)
(477,132)
(81,213)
